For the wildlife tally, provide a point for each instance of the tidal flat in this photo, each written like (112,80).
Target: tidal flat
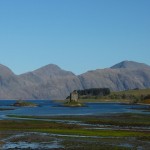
(122,131)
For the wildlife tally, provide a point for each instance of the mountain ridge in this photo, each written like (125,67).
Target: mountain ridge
(130,65)
(52,82)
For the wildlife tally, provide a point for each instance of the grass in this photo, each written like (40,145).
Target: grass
(33,125)
(128,96)
(90,144)
(103,100)
(141,96)
(134,92)
(22,103)
(32,137)
(125,119)
(82,137)
(73,104)
(122,120)
(60,128)
(99,133)
(147,101)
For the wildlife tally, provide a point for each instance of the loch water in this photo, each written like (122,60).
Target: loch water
(51,108)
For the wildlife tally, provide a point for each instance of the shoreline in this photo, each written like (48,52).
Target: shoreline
(109,132)
(83,101)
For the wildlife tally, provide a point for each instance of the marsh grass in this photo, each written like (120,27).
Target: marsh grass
(32,137)
(61,128)
(122,120)
(31,125)
(77,137)
(125,119)
(84,144)
(4,109)
(100,133)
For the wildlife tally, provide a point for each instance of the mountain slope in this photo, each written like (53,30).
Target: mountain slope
(130,65)
(122,76)
(9,84)
(118,79)
(51,82)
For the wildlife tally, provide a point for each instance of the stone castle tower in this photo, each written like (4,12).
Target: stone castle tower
(74,96)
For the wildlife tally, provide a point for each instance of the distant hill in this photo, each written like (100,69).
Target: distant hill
(51,82)
(123,76)
(130,65)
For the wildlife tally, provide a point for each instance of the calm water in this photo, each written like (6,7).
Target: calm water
(47,108)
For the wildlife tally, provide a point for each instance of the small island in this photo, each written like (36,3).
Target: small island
(73,100)
(5,109)
(22,103)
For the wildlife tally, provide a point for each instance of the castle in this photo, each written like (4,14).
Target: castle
(74,96)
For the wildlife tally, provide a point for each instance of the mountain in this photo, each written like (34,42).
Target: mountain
(52,82)
(130,65)
(122,76)
(9,84)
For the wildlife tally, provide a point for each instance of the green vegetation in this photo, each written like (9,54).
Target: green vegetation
(3,109)
(62,128)
(73,104)
(94,92)
(134,96)
(93,144)
(123,133)
(33,125)
(101,133)
(121,120)
(128,96)
(22,103)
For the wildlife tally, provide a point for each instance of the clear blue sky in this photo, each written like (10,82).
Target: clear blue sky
(77,35)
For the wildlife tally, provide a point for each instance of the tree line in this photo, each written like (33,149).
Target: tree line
(94,92)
